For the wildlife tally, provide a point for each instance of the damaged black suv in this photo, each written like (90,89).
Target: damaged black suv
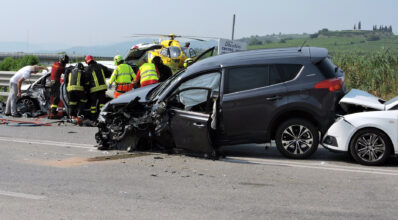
(288,95)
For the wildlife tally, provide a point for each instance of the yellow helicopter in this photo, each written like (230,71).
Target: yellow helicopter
(170,51)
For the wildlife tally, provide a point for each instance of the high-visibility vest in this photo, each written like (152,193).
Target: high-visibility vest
(122,74)
(148,72)
(75,81)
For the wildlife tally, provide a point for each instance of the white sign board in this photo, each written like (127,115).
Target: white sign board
(229,46)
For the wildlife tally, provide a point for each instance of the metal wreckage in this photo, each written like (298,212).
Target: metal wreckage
(159,116)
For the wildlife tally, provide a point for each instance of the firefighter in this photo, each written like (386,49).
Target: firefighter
(123,76)
(147,74)
(58,68)
(96,85)
(75,88)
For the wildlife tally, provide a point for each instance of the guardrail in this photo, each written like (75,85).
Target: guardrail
(5,77)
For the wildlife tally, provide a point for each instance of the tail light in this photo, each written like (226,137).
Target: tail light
(331,84)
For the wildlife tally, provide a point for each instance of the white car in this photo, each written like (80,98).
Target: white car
(370,136)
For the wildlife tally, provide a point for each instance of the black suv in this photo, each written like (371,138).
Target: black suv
(289,95)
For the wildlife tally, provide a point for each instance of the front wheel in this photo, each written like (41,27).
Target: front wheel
(370,147)
(26,105)
(297,138)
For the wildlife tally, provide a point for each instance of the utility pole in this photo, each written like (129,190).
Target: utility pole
(233,27)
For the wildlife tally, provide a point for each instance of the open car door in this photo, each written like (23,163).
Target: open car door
(190,125)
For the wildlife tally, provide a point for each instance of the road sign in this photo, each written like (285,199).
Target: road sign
(228,46)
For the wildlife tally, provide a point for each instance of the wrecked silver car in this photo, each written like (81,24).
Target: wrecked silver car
(35,98)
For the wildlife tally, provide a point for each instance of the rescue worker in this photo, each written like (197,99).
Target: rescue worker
(58,68)
(147,74)
(123,76)
(76,80)
(96,85)
(15,88)
(164,71)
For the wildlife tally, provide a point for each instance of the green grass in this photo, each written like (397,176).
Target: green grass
(347,45)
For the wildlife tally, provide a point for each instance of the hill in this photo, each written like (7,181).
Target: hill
(346,41)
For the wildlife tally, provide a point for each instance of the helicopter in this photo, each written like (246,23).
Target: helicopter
(169,50)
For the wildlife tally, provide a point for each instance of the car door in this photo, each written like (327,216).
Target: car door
(190,113)
(250,97)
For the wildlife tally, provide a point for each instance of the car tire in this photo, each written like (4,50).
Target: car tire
(370,147)
(26,105)
(297,138)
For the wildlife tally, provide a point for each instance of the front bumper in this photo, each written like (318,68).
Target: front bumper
(338,137)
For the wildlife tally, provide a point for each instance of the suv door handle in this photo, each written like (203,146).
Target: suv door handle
(200,125)
(273,98)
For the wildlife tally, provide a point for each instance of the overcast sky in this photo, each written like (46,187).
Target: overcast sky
(87,22)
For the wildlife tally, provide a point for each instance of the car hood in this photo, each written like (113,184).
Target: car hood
(362,98)
(129,96)
(25,87)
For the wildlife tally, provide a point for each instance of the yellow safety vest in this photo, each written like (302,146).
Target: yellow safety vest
(122,74)
(148,72)
(74,81)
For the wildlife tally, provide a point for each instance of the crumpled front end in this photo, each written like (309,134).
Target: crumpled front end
(122,126)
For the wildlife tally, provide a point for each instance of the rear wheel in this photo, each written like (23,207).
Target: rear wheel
(370,147)
(297,138)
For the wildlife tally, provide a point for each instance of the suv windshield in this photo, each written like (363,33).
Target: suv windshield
(174,52)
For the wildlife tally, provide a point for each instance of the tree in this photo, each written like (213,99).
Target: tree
(355,26)
(359,25)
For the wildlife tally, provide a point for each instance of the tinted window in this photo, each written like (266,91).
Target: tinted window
(244,78)
(328,69)
(285,72)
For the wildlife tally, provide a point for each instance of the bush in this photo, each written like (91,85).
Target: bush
(11,64)
(282,41)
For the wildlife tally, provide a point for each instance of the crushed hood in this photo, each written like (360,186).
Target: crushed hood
(361,98)
(129,96)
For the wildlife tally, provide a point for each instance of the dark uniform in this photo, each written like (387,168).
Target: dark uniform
(76,80)
(96,86)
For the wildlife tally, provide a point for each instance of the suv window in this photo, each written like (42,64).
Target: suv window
(283,72)
(244,78)
(328,69)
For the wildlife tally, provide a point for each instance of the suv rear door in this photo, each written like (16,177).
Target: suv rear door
(250,96)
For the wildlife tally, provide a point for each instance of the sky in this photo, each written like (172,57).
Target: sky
(100,22)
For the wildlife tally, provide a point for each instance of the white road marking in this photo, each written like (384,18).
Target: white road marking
(46,142)
(21,195)
(312,165)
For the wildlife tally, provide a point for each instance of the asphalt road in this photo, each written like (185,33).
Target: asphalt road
(56,173)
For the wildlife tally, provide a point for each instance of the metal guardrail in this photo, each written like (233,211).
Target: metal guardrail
(5,77)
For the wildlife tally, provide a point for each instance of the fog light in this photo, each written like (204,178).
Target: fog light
(330,140)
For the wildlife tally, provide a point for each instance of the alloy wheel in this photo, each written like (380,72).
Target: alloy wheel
(370,147)
(297,139)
